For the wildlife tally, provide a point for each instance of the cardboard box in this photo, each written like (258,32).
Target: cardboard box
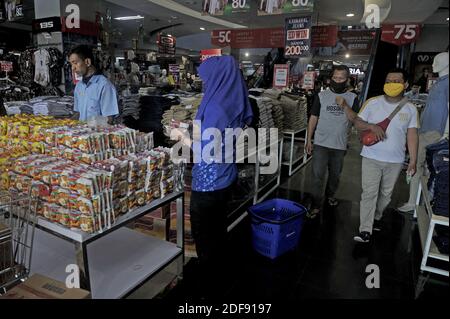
(41,287)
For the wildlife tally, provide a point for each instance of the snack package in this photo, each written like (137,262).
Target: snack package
(75,219)
(141,197)
(166,187)
(87,223)
(64,217)
(132,201)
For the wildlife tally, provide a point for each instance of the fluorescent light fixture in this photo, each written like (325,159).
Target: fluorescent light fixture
(350,15)
(350,27)
(138,17)
(202,28)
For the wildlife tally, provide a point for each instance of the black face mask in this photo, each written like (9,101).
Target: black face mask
(338,87)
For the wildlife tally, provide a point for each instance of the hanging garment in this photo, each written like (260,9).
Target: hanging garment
(42,70)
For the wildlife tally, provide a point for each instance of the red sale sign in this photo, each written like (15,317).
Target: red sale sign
(205,54)
(249,38)
(280,76)
(6,66)
(400,34)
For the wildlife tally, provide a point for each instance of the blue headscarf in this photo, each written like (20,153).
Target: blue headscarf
(225,102)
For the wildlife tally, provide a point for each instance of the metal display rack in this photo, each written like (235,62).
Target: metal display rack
(261,191)
(426,222)
(292,137)
(113,263)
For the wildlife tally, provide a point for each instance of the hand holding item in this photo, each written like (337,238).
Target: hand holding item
(341,101)
(309,147)
(411,171)
(378,131)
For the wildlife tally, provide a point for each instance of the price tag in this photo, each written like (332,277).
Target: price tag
(6,66)
(400,34)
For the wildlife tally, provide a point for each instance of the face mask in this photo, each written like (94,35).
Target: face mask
(393,89)
(338,87)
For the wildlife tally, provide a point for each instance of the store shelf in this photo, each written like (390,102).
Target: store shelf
(79,236)
(294,132)
(118,263)
(424,223)
(440,220)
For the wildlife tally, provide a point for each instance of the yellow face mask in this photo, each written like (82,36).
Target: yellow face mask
(394,89)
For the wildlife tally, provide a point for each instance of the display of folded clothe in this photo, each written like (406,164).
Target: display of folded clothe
(45,105)
(179,116)
(295,113)
(436,155)
(129,106)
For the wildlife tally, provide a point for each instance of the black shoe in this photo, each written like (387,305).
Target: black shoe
(362,237)
(377,225)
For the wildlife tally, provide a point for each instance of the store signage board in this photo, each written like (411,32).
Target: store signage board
(86,28)
(52,24)
(358,42)
(249,38)
(11,10)
(222,8)
(6,66)
(280,76)
(205,54)
(324,36)
(166,44)
(400,34)
(356,71)
(271,7)
(298,37)
(308,80)
(174,70)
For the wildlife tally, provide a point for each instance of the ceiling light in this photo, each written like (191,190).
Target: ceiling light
(129,18)
(350,15)
(347,56)
(350,27)
(447,19)
(247,54)
(203,29)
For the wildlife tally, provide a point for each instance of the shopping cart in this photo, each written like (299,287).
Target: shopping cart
(17,224)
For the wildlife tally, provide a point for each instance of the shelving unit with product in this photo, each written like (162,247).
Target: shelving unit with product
(296,160)
(426,222)
(113,263)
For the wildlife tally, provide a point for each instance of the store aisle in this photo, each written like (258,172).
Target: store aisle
(328,263)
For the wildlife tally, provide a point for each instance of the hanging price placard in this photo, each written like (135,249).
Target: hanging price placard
(280,76)
(225,8)
(6,66)
(298,37)
(269,7)
(400,34)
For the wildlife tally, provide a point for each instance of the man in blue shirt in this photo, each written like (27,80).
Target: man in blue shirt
(95,95)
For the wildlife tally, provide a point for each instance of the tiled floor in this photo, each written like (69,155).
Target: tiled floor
(327,262)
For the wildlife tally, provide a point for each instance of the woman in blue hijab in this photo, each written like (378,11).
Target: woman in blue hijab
(225,105)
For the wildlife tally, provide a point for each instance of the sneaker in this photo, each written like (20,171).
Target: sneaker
(362,237)
(406,208)
(311,214)
(377,225)
(332,202)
